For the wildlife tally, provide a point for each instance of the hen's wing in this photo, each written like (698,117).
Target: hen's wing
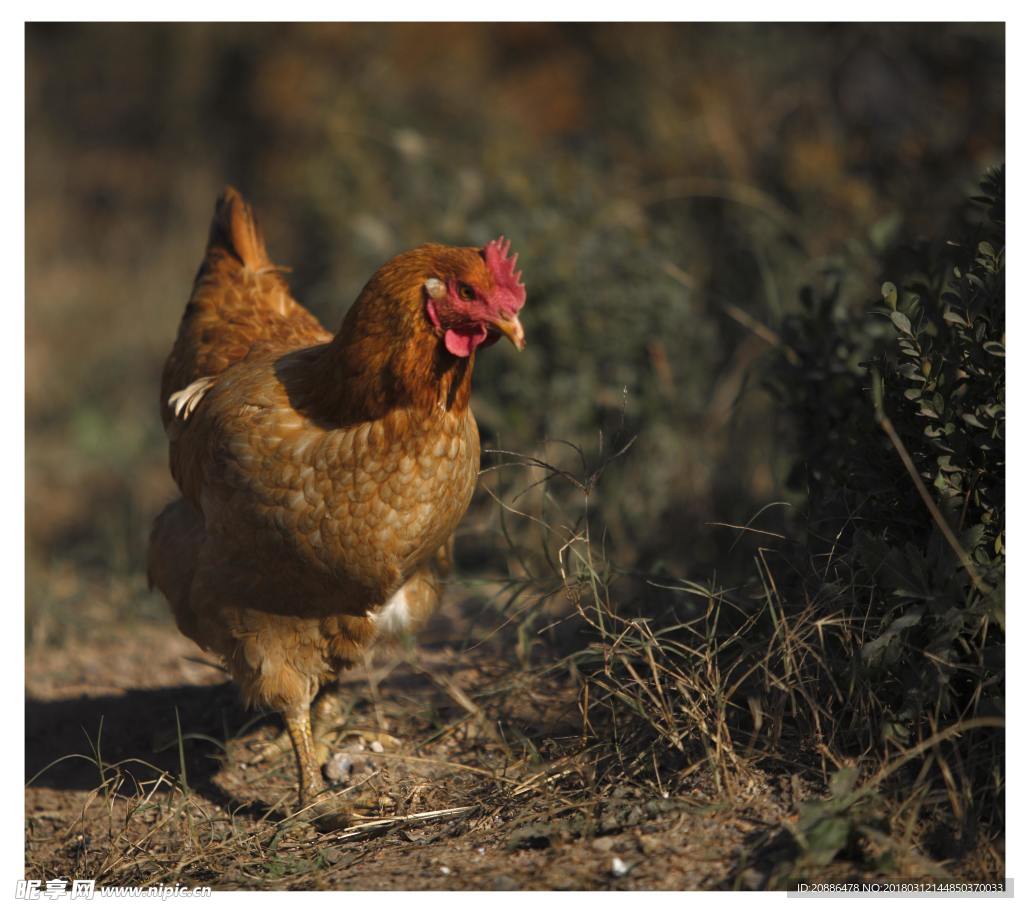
(239,300)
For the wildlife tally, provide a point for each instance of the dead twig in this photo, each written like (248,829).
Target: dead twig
(936,514)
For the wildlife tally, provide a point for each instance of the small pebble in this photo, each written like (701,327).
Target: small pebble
(445,870)
(377,747)
(332,855)
(338,767)
(619,867)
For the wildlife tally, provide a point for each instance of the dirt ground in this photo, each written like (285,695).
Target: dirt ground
(464,777)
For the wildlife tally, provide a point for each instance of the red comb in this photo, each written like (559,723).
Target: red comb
(503,269)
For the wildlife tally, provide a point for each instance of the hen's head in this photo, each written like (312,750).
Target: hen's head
(473,296)
(412,332)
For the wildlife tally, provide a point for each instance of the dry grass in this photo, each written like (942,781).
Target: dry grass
(725,685)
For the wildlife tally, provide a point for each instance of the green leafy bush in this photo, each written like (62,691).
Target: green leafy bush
(899,411)
(946,387)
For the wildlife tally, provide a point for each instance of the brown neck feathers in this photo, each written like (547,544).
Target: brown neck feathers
(385,357)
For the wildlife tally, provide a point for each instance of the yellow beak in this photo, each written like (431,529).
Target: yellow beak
(512,329)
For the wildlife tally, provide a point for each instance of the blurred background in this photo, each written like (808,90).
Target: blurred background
(670,188)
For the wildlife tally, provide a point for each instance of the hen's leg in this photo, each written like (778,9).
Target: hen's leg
(311,784)
(328,711)
(297,723)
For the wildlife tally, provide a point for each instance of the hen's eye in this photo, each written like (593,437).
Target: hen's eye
(466,292)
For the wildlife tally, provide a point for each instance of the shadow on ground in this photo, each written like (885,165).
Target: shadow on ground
(75,743)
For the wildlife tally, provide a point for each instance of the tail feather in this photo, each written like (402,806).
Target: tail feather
(239,299)
(235,230)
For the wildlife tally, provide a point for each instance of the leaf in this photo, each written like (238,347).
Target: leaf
(953,318)
(911,572)
(874,649)
(889,294)
(843,781)
(994,347)
(972,420)
(901,322)
(901,571)
(824,835)
(895,731)
(971,538)
(871,549)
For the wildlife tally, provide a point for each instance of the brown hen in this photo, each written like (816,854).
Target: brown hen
(321,477)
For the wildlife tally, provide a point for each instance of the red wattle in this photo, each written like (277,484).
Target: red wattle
(463,341)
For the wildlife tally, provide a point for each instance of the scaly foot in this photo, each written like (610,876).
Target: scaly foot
(316,806)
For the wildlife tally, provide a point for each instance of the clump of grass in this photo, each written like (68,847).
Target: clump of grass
(730,686)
